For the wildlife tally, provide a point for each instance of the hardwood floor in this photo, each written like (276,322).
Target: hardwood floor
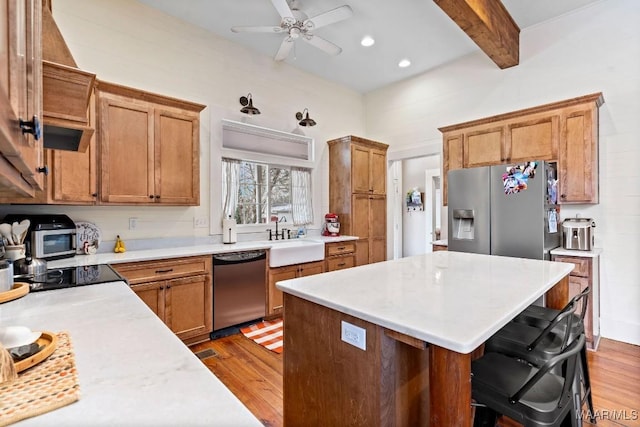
(254,375)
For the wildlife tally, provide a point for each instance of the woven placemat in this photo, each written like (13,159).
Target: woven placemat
(49,385)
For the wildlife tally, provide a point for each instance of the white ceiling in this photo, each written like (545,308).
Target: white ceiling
(415,29)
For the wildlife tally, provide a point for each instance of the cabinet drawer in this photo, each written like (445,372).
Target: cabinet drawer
(582,265)
(145,271)
(339,248)
(341,262)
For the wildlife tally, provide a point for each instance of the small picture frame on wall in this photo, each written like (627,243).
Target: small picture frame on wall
(414,200)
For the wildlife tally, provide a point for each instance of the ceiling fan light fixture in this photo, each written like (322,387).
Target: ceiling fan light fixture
(306,121)
(404,63)
(247,105)
(367,41)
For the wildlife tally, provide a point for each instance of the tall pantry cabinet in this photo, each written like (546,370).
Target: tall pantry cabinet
(358,194)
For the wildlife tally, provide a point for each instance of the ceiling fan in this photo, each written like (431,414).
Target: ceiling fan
(295,24)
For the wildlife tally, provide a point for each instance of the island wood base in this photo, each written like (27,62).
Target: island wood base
(329,382)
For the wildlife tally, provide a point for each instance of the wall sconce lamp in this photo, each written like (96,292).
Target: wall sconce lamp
(247,105)
(306,121)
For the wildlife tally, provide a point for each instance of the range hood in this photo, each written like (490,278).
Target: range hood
(66,91)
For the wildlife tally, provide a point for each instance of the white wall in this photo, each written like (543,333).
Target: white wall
(596,49)
(416,237)
(126,42)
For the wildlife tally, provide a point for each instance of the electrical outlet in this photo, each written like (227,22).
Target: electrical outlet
(133,223)
(354,335)
(200,222)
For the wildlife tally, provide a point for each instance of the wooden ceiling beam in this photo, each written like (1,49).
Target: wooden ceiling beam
(489,25)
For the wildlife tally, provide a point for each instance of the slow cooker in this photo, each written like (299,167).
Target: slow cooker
(577,234)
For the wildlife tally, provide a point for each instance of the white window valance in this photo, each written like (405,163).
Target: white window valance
(252,139)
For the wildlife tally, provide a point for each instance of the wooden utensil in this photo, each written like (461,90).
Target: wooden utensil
(5,230)
(14,236)
(19,231)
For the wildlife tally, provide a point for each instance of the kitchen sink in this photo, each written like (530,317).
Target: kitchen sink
(295,251)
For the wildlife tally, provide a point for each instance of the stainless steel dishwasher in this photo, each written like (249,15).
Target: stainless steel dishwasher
(239,287)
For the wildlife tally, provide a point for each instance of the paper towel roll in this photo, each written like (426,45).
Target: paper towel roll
(229,230)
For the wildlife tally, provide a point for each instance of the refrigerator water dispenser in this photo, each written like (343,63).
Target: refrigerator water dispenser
(463,224)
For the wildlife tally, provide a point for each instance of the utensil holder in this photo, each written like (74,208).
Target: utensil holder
(14,252)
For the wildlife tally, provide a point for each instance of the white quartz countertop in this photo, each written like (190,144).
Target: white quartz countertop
(133,371)
(168,251)
(593,253)
(451,299)
(441,242)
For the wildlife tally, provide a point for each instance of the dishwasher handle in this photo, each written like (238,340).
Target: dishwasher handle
(239,257)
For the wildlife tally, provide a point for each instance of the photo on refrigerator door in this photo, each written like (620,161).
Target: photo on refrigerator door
(516,177)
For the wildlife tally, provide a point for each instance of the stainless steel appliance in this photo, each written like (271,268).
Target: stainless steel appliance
(578,233)
(70,277)
(30,266)
(507,210)
(239,287)
(51,236)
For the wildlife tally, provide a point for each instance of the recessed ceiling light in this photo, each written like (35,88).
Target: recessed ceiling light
(367,41)
(404,63)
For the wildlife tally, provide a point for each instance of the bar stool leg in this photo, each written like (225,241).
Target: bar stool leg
(584,369)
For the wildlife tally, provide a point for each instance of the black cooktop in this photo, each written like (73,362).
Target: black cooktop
(70,277)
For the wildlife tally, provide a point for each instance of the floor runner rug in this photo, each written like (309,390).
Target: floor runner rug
(268,334)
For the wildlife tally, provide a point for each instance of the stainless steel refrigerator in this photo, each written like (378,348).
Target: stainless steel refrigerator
(507,210)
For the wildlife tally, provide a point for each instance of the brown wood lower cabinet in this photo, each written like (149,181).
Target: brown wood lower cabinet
(276,274)
(178,290)
(435,248)
(339,255)
(586,274)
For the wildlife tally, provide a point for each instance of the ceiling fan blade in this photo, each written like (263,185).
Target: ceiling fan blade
(285,48)
(322,44)
(331,16)
(262,29)
(283,8)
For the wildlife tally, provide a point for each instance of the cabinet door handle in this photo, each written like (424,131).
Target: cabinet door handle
(342,264)
(43,169)
(563,196)
(157,196)
(161,287)
(151,196)
(341,248)
(32,127)
(168,286)
(164,271)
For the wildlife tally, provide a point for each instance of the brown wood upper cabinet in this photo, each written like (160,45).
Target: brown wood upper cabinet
(20,97)
(72,178)
(150,147)
(357,193)
(564,131)
(368,166)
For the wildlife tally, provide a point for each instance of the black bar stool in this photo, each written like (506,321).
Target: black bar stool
(539,333)
(535,397)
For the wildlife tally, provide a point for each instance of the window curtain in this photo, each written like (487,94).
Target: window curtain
(230,187)
(301,207)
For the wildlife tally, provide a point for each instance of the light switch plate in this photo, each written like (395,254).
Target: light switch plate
(354,335)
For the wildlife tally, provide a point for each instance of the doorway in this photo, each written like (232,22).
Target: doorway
(410,230)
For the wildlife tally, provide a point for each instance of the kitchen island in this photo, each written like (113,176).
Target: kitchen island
(132,370)
(414,325)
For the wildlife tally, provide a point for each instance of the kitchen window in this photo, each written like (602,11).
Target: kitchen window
(263,193)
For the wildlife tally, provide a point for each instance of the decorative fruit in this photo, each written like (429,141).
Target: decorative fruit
(119,245)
